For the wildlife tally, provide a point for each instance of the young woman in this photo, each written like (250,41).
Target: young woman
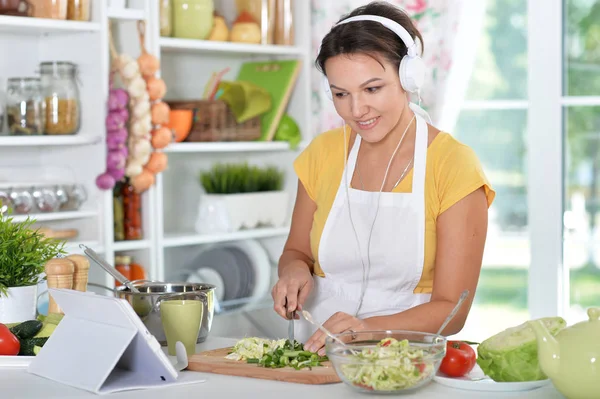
(391,214)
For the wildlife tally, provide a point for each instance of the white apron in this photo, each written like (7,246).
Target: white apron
(397,248)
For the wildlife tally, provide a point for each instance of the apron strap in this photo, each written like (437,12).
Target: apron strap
(352,158)
(418,190)
(420,164)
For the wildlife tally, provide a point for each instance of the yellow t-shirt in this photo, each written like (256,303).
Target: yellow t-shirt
(453,171)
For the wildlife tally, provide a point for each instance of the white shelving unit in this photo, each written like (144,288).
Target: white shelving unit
(182,239)
(170,206)
(239,147)
(168,44)
(42,141)
(186,65)
(37,26)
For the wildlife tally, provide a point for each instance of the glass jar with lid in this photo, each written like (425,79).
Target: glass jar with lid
(25,107)
(59,84)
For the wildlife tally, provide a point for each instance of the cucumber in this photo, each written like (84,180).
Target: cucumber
(53,318)
(46,330)
(27,329)
(28,346)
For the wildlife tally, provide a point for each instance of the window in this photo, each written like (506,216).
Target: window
(581,124)
(493,121)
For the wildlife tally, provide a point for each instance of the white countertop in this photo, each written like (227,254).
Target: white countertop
(19,384)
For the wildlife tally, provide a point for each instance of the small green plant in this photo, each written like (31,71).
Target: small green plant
(241,178)
(23,252)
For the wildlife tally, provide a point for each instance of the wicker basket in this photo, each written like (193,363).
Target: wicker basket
(214,121)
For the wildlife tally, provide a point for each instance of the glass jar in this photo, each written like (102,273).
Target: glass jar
(118,212)
(25,111)
(127,266)
(17,8)
(132,212)
(123,265)
(166,17)
(59,83)
(78,10)
(192,19)
(53,9)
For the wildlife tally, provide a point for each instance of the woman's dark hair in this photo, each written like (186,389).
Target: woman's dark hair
(368,37)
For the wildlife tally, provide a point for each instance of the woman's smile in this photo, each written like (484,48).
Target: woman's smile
(369,123)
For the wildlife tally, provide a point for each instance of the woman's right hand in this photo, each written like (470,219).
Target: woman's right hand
(292,288)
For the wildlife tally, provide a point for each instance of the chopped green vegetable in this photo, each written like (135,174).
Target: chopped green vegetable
(511,355)
(275,354)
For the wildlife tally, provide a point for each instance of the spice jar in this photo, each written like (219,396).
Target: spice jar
(53,9)
(25,106)
(118,213)
(78,10)
(132,212)
(59,83)
(22,200)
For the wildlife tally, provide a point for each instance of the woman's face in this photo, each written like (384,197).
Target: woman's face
(366,93)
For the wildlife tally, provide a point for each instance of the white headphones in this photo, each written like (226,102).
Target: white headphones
(412,67)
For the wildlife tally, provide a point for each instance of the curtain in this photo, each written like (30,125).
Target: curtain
(450,29)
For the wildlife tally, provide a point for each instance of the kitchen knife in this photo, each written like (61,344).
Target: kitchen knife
(291,316)
(291,329)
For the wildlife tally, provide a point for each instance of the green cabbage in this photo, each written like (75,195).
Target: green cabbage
(512,355)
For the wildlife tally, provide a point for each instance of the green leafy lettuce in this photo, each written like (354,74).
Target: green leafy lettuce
(512,355)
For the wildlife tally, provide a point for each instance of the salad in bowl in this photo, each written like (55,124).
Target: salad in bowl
(386,361)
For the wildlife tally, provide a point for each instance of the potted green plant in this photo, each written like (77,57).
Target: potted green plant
(24,252)
(240,196)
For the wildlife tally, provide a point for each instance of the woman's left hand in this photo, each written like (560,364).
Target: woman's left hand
(338,323)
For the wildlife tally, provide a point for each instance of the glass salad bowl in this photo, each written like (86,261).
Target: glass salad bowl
(386,362)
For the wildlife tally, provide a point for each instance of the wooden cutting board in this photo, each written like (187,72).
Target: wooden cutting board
(214,361)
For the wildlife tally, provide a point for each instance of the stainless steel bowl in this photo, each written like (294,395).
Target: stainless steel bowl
(146,304)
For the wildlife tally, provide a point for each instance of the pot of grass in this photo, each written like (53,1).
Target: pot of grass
(24,252)
(241,196)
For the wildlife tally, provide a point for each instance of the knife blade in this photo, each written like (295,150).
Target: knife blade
(291,316)
(291,330)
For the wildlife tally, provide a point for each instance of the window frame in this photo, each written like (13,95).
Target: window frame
(548,277)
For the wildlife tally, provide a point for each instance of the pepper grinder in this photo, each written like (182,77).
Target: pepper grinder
(82,268)
(59,274)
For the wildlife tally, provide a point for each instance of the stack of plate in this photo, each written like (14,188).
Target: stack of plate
(240,270)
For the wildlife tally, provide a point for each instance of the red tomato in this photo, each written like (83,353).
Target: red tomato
(459,360)
(9,344)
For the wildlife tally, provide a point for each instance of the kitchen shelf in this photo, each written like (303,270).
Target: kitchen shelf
(234,306)
(32,141)
(37,26)
(207,46)
(126,14)
(131,245)
(181,240)
(50,216)
(234,146)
